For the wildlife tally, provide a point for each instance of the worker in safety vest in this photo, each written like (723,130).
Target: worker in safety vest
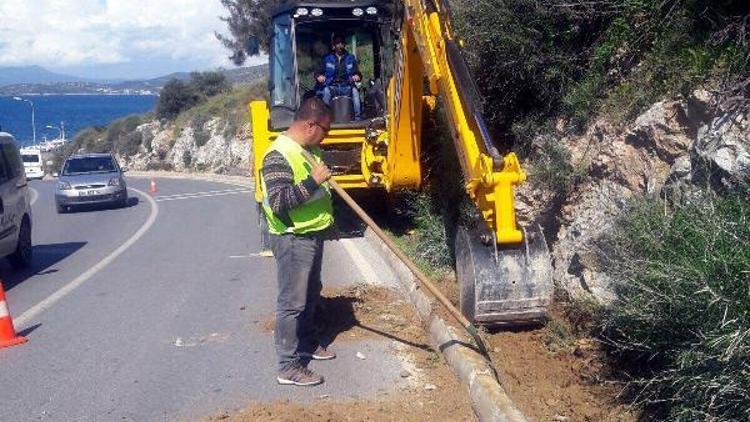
(298,207)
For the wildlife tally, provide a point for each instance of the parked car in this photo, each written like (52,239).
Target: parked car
(15,205)
(32,163)
(90,179)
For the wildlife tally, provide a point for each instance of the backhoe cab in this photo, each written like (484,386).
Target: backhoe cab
(407,58)
(302,37)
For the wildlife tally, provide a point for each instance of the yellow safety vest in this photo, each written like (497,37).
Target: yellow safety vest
(313,215)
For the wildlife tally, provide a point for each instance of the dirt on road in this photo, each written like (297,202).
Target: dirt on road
(550,374)
(366,312)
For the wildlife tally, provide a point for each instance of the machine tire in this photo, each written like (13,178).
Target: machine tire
(22,256)
(465,274)
(61,209)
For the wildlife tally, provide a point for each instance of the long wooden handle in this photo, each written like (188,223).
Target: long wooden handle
(455,313)
(401,255)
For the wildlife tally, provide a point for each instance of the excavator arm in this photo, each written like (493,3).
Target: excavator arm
(503,271)
(488,177)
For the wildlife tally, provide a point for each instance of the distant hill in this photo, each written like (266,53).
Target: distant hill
(32,75)
(73,85)
(235,76)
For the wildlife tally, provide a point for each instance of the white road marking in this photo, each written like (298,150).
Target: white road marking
(177,195)
(165,199)
(65,290)
(34,195)
(252,255)
(360,262)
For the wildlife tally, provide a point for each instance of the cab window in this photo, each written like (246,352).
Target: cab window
(314,43)
(30,158)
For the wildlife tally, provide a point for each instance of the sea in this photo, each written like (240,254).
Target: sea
(75,112)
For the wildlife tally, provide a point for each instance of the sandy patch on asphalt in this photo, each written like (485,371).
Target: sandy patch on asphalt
(365,312)
(362,312)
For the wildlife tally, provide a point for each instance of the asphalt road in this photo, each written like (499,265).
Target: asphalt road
(156,312)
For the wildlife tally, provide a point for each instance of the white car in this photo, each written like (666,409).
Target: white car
(15,205)
(32,163)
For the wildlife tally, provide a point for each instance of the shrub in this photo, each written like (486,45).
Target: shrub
(209,84)
(175,97)
(547,58)
(552,169)
(681,325)
(187,158)
(122,137)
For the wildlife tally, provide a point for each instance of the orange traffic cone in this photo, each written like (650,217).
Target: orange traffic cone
(152,188)
(8,336)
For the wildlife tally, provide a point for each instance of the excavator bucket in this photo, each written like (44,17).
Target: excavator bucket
(501,285)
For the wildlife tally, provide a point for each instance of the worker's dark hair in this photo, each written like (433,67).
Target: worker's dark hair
(313,109)
(337,38)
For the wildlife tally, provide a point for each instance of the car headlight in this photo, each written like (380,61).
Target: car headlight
(302,11)
(357,11)
(63,185)
(317,12)
(115,181)
(372,10)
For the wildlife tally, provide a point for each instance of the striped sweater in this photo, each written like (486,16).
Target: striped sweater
(281,191)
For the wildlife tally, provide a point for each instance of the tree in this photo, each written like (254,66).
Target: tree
(247,18)
(175,97)
(209,84)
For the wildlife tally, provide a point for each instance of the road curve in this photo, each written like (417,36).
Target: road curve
(171,325)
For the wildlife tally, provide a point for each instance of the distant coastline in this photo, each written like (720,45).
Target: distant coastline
(46,94)
(26,87)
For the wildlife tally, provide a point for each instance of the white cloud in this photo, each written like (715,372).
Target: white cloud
(61,33)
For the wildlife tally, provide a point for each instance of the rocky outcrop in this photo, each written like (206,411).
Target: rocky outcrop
(209,147)
(670,148)
(720,157)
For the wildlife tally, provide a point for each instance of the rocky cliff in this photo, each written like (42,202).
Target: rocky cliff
(673,148)
(212,146)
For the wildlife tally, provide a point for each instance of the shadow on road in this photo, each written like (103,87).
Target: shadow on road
(336,315)
(132,202)
(45,256)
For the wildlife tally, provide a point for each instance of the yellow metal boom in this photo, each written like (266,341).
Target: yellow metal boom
(489,178)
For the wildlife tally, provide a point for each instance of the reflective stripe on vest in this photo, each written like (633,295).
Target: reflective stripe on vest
(313,215)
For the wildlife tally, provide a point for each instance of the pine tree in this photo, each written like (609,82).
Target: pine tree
(247,18)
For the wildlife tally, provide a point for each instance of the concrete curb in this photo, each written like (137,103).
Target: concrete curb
(488,398)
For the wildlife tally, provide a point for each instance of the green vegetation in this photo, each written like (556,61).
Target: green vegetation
(120,137)
(427,220)
(536,60)
(177,96)
(230,106)
(681,325)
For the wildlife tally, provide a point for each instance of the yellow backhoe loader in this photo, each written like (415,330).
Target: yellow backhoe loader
(407,56)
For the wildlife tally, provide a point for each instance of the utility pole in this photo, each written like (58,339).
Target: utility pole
(33,124)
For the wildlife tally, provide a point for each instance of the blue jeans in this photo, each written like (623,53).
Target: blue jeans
(347,90)
(298,261)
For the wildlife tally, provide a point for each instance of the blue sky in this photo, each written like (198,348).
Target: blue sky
(123,39)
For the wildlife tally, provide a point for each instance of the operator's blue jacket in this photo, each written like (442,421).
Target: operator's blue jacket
(329,67)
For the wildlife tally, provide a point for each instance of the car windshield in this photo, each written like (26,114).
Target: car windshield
(30,158)
(88,165)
